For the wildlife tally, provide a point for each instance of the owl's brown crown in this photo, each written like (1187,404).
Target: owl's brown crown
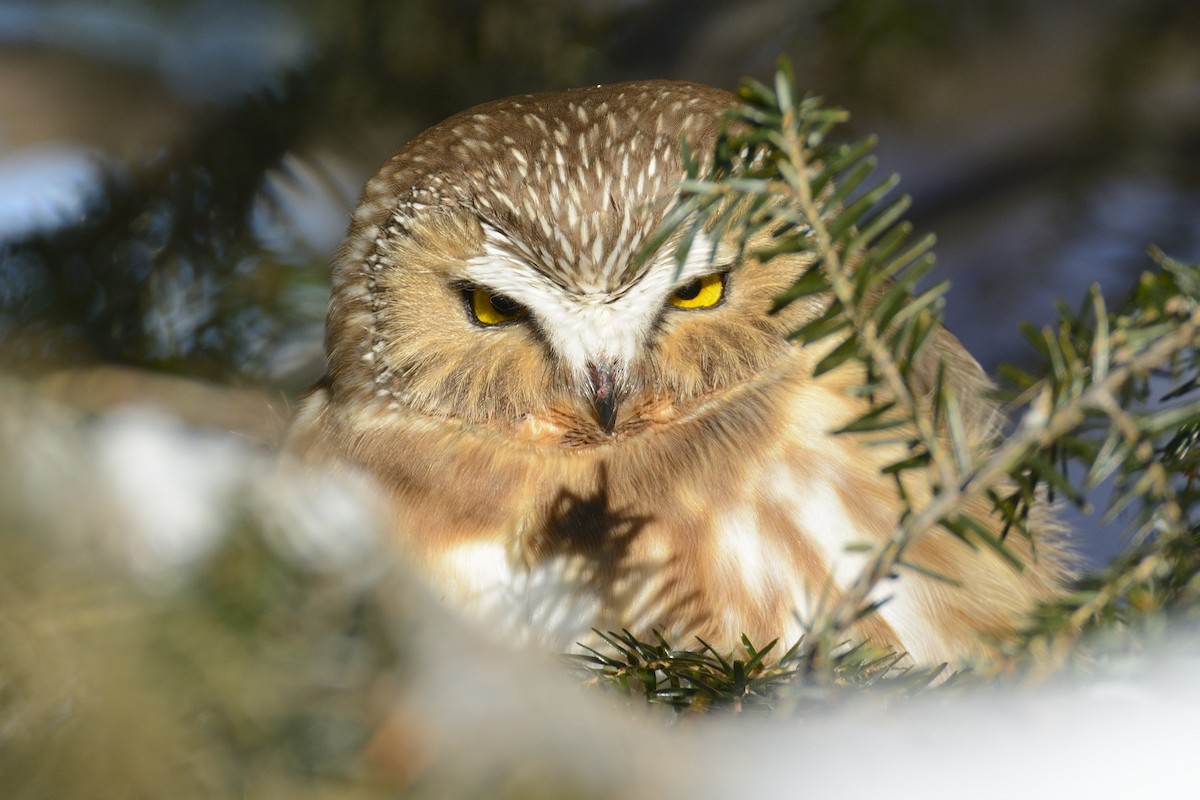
(571,177)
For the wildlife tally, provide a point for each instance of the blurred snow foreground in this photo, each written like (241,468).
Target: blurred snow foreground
(184,615)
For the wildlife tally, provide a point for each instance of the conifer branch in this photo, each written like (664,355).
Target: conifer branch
(879,355)
(773,171)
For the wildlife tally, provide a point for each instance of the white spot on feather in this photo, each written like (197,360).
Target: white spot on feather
(742,545)
(545,606)
(819,512)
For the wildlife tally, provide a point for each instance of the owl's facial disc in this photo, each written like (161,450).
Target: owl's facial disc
(600,332)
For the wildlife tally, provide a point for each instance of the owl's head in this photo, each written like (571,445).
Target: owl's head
(492,271)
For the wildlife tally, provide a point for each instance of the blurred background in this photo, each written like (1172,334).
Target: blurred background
(181,616)
(175,174)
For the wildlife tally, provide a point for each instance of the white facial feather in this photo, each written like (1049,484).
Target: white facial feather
(591,325)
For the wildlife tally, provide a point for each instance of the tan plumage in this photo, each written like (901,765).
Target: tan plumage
(608,458)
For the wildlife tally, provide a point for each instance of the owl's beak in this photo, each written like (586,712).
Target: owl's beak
(605,394)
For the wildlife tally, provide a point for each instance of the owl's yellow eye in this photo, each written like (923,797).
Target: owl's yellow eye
(703,292)
(490,308)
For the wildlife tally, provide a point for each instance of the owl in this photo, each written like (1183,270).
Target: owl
(571,437)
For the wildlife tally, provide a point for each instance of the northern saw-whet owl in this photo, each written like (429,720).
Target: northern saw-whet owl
(573,438)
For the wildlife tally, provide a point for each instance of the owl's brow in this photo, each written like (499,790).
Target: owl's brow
(519,252)
(703,255)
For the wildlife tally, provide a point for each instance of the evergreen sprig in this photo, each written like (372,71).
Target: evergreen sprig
(1122,383)
(753,680)
(776,183)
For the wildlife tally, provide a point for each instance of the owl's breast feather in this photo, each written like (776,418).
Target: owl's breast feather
(733,518)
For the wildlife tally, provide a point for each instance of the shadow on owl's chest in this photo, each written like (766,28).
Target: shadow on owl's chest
(633,535)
